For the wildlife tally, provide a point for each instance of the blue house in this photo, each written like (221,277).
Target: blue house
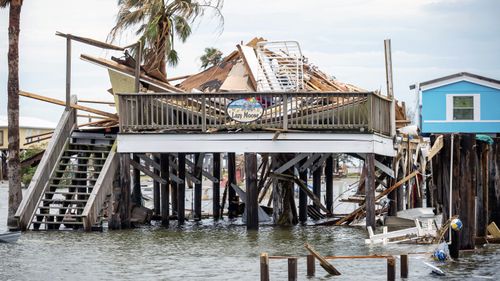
(459,103)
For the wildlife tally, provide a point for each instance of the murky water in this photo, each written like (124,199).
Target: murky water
(212,251)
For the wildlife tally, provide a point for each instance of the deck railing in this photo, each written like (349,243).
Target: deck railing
(207,112)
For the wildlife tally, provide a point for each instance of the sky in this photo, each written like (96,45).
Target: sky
(344,38)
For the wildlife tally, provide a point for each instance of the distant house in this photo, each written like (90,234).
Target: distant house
(459,103)
(28,127)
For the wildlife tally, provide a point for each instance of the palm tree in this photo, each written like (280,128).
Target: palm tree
(212,57)
(13,166)
(158,22)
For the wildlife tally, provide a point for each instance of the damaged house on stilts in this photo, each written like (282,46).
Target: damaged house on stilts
(263,101)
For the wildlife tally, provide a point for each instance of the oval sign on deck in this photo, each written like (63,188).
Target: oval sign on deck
(245,110)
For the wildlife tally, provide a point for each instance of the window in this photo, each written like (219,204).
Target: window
(463,108)
(1,137)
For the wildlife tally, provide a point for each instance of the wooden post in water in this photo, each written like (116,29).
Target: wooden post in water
(292,269)
(164,190)
(493,201)
(124,200)
(317,185)
(284,209)
(311,265)
(329,183)
(303,195)
(198,186)
(264,267)
(156,189)
(391,269)
(404,266)
(251,204)
(174,186)
(370,190)
(467,188)
(136,183)
(232,208)
(181,189)
(216,186)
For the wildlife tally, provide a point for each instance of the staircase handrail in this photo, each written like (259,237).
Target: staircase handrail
(102,188)
(42,174)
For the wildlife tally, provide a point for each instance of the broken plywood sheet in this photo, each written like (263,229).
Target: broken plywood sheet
(120,84)
(237,80)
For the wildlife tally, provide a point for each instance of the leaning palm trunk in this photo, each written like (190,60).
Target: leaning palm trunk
(15,193)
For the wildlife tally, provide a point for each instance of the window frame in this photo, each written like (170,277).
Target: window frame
(450,107)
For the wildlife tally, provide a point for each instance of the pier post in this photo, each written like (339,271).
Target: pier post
(181,189)
(251,203)
(317,185)
(264,267)
(216,186)
(174,187)
(232,208)
(391,269)
(302,194)
(311,265)
(136,183)
(370,190)
(404,266)
(164,190)
(156,189)
(124,200)
(292,269)
(329,183)
(198,186)
(284,208)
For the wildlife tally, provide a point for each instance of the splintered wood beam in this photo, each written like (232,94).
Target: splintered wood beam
(187,175)
(304,187)
(146,171)
(90,41)
(97,101)
(75,106)
(292,162)
(320,162)
(204,173)
(322,261)
(352,215)
(310,162)
(389,171)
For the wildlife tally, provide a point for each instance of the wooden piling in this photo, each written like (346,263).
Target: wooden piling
(181,189)
(494,182)
(232,207)
(317,185)
(303,195)
(311,265)
(136,184)
(264,267)
(156,189)
(292,269)
(252,191)
(198,186)
(124,200)
(173,189)
(391,268)
(216,186)
(370,190)
(164,189)
(284,209)
(404,266)
(329,183)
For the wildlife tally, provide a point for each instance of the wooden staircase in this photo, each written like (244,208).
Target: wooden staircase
(72,180)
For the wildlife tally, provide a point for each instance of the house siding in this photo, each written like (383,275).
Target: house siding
(434,109)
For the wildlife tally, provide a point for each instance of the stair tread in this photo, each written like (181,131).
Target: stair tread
(78,172)
(58,222)
(61,201)
(84,158)
(72,178)
(86,150)
(71,185)
(57,207)
(59,215)
(67,193)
